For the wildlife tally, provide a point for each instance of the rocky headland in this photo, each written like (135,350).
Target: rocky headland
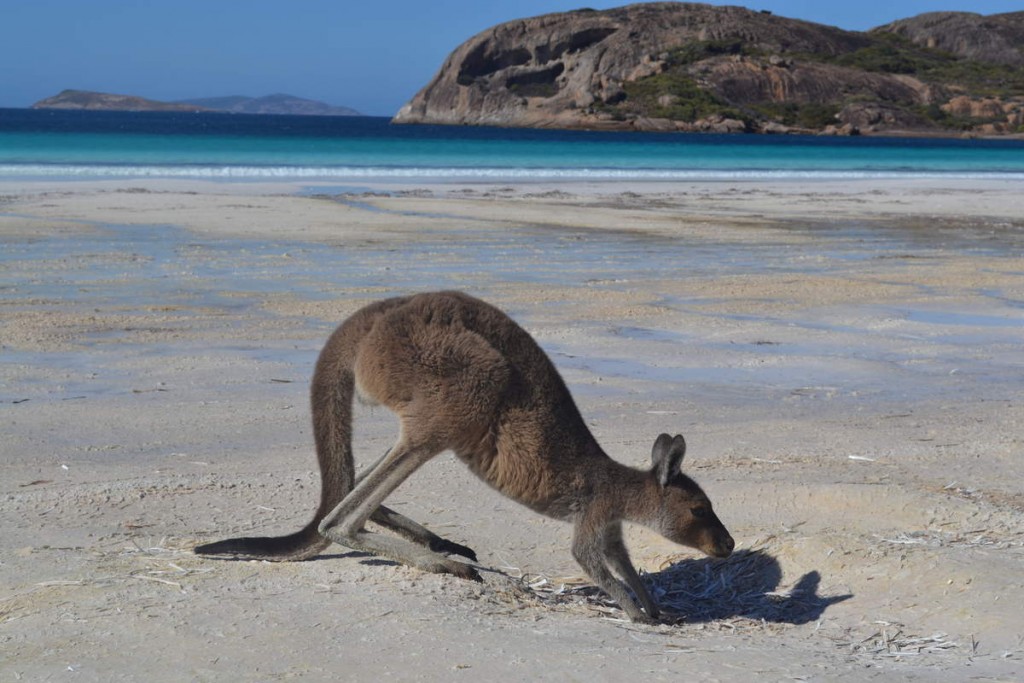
(671,66)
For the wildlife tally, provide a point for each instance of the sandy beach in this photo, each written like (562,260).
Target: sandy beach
(844,359)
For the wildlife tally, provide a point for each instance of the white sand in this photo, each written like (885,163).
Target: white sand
(844,360)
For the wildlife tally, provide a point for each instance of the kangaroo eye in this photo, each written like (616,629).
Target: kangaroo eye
(699,513)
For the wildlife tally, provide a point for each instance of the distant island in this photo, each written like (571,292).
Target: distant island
(237,104)
(672,66)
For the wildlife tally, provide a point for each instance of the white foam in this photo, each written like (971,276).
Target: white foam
(100,171)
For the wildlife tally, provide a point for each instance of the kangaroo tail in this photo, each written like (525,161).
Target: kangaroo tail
(331,397)
(292,548)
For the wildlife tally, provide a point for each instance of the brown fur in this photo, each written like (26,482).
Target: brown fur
(462,376)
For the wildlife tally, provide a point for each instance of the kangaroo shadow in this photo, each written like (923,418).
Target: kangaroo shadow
(743,585)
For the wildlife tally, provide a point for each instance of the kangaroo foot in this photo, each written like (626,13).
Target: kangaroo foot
(443,545)
(453,567)
(417,533)
(403,551)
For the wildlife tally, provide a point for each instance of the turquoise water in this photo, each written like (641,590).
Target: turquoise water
(223,146)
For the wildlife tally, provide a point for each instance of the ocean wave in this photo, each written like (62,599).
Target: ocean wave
(440,174)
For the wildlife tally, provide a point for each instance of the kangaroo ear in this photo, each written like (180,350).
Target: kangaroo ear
(667,455)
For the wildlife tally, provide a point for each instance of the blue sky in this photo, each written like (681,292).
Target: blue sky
(372,56)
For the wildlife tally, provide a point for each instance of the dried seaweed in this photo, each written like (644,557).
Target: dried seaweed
(890,640)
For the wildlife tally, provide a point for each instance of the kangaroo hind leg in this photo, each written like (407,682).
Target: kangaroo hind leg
(345,524)
(407,528)
(444,383)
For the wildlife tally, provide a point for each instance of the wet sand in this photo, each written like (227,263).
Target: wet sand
(844,360)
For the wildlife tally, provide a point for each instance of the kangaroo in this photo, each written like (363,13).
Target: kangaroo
(463,376)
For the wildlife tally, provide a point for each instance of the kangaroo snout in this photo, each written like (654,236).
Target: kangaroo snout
(717,541)
(723,547)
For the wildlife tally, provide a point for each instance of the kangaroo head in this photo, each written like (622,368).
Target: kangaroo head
(685,514)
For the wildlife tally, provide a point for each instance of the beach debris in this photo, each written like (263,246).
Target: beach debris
(943,539)
(891,640)
(59,582)
(158,580)
(165,564)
